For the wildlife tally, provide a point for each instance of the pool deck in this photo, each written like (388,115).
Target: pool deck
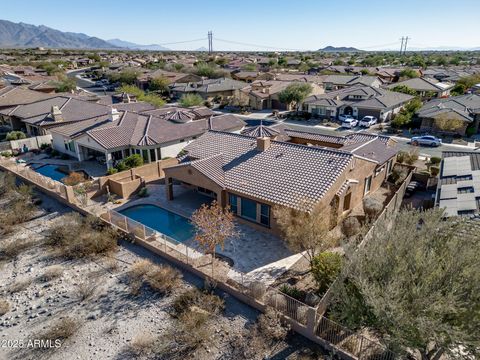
(260,254)
(92,168)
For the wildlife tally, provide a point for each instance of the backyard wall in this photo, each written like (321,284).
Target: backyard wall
(32,142)
(126,183)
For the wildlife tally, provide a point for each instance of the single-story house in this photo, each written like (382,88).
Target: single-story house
(252,175)
(336,82)
(425,86)
(451,115)
(210,89)
(263,94)
(143,81)
(458,189)
(358,101)
(119,134)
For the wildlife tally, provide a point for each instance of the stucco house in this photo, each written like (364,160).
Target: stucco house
(451,115)
(425,86)
(210,89)
(252,175)
(358,101)
(120,134)
(336,82)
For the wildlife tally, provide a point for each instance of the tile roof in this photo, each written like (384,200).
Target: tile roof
(284,174)
(17,95)
(360,96)
(462,107)
(423,84)
(209,86)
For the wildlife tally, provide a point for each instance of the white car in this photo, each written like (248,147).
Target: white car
(368,121)
(349,123)
(344,117)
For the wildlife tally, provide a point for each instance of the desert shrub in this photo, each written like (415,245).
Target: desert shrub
(79,237)
(401,155)
(372,207)
(194,297)
(325,269)
(134,160)
(61,329)
(257,290)
(74,178)
(292,291)
(6,154)
(188,100)
(141,345)
(11,249)
(270,326)
(434,170)
(15,135)
(398,175)
(112,171)
(4,307)
(160,278)
(411,157)
(435,160)
(45,146)
(51,273)
(351,226)
(86,289)
(18,208)
(7,183)
(277,301)
(143,192)
(19,286)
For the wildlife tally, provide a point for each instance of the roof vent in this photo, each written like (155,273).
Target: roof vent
(57,114)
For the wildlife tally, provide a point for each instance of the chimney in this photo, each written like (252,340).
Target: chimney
(115,114)
(56,114)
(263,143)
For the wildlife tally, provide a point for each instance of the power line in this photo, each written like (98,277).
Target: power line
(257,45)
(183,42)
(405,47)
(401,46)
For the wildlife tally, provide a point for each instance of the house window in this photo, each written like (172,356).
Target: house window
(465,190)
(152,154)
(368,184)
(265,214)
(249,209)
(145,155)
(159,154)
(389,167)
(379,170)
(232,199)
(346,201)
(117,155)
(69,145)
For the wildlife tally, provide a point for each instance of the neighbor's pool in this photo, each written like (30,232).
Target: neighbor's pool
(164,221)
(51,171)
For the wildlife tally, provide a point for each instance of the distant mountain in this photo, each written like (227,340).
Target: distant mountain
(339,49)
(133,46)
(25,35)
(203,48)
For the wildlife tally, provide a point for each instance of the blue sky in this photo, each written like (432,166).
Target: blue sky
(289,24)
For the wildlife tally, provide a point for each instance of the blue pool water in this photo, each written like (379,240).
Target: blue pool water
(51,171)
(164,221)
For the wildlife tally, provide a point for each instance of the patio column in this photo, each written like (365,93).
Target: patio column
(108,160)
(169,188)
(123,154)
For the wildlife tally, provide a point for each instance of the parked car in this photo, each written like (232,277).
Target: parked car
(345,117)
(350,123)
(368,121)
(427,140)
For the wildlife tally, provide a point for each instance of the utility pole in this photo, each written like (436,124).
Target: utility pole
(405,48)
(210,42)
(401,46)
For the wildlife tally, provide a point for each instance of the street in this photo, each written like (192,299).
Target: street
(87,84)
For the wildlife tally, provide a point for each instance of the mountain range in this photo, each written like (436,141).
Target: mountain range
(133,46)
(339,49)
(28,36)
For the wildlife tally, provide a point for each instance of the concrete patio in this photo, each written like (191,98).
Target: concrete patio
(252,250)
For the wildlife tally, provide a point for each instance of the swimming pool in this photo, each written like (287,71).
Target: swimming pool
(51,171)
(164,221)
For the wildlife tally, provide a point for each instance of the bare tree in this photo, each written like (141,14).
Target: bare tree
(306,229)
(214,225)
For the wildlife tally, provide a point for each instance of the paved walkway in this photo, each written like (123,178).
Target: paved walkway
(253,249)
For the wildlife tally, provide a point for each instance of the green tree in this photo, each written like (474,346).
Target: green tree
(417,284)
(127,76)
(150,98)
(249,67)
(326,267)
(188,100)
(404,89)
(160,84)
(15,135)
(295,93)
(408,73)
(65,84)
